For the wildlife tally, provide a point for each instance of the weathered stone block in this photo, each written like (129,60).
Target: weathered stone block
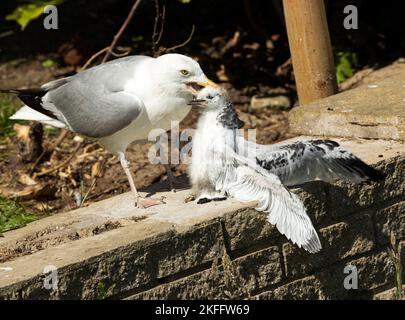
(314,196)
(140,264)
(374,112)
(389,221)
(308,288)
(374,271)
(248,228)
(346,198)
(390,294)
(353,236)
(260,269)
(278,102)
(225,280)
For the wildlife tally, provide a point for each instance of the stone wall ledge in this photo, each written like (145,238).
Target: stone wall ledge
(216,250)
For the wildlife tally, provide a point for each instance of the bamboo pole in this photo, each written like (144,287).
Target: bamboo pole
(311,50)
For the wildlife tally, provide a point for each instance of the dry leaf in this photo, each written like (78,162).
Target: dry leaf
(63,174)
(252,46)
(78,139)
(221,74)
(27,180)
(30,192)
(22,131)
(41,206)
(95,169)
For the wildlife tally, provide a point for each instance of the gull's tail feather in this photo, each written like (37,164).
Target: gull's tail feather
(27,113)
(33,109)
(32,98)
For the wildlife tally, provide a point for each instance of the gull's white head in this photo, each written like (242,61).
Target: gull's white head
(181,74)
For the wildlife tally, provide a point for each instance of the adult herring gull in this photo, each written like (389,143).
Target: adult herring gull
(118,102)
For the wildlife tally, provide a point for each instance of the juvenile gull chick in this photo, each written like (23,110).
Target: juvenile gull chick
(225,164)
(118,102)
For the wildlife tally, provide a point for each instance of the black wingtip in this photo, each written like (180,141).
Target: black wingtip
(376,175)
(368,172)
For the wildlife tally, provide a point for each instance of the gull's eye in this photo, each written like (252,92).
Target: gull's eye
(210,97)
(184,73)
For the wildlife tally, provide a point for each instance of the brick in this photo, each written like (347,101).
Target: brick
(307,288)
(344,239)
(390,220)
(130,267)
(346,198)
(314,196)
(249,228)
(374,271)
(390,294)
(248,274)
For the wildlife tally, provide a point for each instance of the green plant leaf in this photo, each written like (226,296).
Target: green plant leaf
(48,63)
(8,105)
(346,63)
(12,215)
(25,13)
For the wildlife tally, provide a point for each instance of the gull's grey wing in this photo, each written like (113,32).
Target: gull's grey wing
(246,181)
(93,102)
(305,161)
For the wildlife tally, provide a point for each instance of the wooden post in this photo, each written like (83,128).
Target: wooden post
(311,50)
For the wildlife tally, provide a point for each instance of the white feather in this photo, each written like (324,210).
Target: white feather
(286,211)
(27,113)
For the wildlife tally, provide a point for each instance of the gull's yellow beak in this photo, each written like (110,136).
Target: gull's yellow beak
(195,87)
(209,83)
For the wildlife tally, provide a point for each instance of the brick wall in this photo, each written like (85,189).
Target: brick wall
(237,254)
(355,225)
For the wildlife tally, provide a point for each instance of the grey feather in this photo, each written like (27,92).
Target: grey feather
(93,102)
(304,161)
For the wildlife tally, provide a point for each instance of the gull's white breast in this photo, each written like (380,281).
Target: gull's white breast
(161,108)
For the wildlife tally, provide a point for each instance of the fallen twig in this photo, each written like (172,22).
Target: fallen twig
(61,137)
(64,163)
(93,183)
(121,30)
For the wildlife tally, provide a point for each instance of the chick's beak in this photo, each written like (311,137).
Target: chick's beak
(198,103)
